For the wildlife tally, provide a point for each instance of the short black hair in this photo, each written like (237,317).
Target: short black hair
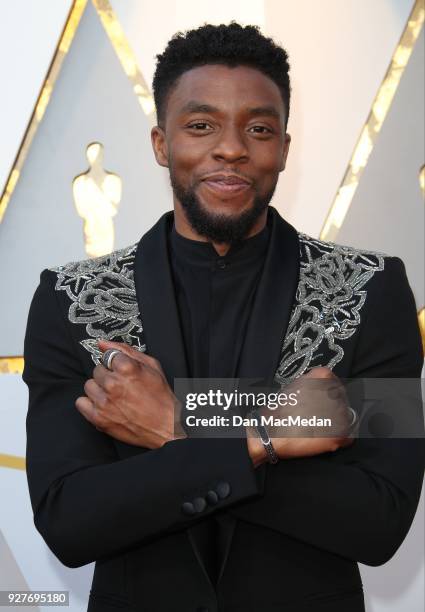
(231,45)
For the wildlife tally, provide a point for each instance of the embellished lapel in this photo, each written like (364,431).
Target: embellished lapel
(273,303)
(330,295)
(157,302)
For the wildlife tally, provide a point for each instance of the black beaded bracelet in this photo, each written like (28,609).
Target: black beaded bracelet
(264,437)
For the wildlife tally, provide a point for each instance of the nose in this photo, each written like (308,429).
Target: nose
(231,145)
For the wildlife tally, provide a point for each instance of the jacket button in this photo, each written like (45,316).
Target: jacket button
(199,504)
(188,508)
(212,498)
(223,490)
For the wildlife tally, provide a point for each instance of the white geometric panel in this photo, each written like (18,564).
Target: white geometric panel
(93,100)
(29,32)
(148,26)
(399,585)
(387,212)
(13,412)
(30,564)
(11,577)
(339,51)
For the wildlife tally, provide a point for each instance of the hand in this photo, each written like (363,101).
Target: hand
(324,398)
(132,403)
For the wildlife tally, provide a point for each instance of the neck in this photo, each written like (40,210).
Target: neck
(184,228)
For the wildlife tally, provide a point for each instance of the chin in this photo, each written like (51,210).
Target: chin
(229,207)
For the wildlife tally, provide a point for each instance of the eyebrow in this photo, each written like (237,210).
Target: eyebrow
(199,107)
(269,111)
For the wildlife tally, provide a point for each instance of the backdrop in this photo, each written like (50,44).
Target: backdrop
(76,73)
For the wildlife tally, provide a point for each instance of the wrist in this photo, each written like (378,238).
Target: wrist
(256,449)
(263,435)
(179,432)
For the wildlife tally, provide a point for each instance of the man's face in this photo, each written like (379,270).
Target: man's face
(224,143)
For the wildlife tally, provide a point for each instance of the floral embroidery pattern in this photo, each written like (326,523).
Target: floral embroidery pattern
(103,298)
(329,298)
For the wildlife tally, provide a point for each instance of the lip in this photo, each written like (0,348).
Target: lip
(226,183)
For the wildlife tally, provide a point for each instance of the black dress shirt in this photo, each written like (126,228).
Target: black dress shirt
(214,298)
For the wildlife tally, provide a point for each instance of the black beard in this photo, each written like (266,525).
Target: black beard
(218,228)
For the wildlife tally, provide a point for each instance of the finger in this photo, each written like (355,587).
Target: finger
(128,350)
(320,372)
(131,352)
(89,411)
(101,375)
(121,364)
(336,392)
(95,393)
(122,367)
(87,408)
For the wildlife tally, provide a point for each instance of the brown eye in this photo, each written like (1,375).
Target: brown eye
(260,129)
(199,125)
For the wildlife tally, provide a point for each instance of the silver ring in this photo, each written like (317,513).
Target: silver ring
(353,416)
(108,356)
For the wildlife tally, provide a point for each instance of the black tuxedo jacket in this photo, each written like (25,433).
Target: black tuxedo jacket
(294,531)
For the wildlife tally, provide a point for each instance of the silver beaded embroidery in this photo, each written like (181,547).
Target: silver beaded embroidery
(326,312)
(103,298)
(327,308)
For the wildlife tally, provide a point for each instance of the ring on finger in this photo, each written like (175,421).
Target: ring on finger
(108,356)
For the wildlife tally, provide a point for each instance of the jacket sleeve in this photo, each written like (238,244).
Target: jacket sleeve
(358,502)
(87,502)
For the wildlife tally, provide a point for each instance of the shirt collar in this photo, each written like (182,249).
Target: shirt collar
(197,252)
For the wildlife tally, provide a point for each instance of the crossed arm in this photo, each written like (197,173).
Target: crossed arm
(88,503)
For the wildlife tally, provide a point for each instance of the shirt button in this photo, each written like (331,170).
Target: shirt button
(221,264)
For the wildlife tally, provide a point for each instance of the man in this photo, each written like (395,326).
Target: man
(222,287)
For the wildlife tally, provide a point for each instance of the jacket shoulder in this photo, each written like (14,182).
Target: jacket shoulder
(98,297)
(313,248)
(114,261)
(114,269)
(338,266)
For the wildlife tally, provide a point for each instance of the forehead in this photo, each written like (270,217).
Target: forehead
(226,88)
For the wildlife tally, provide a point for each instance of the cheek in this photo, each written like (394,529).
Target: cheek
(266,158)
(184,160)
(188,154)
(267,163)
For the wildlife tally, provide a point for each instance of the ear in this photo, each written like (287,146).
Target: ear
(285,152)
(159,145)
